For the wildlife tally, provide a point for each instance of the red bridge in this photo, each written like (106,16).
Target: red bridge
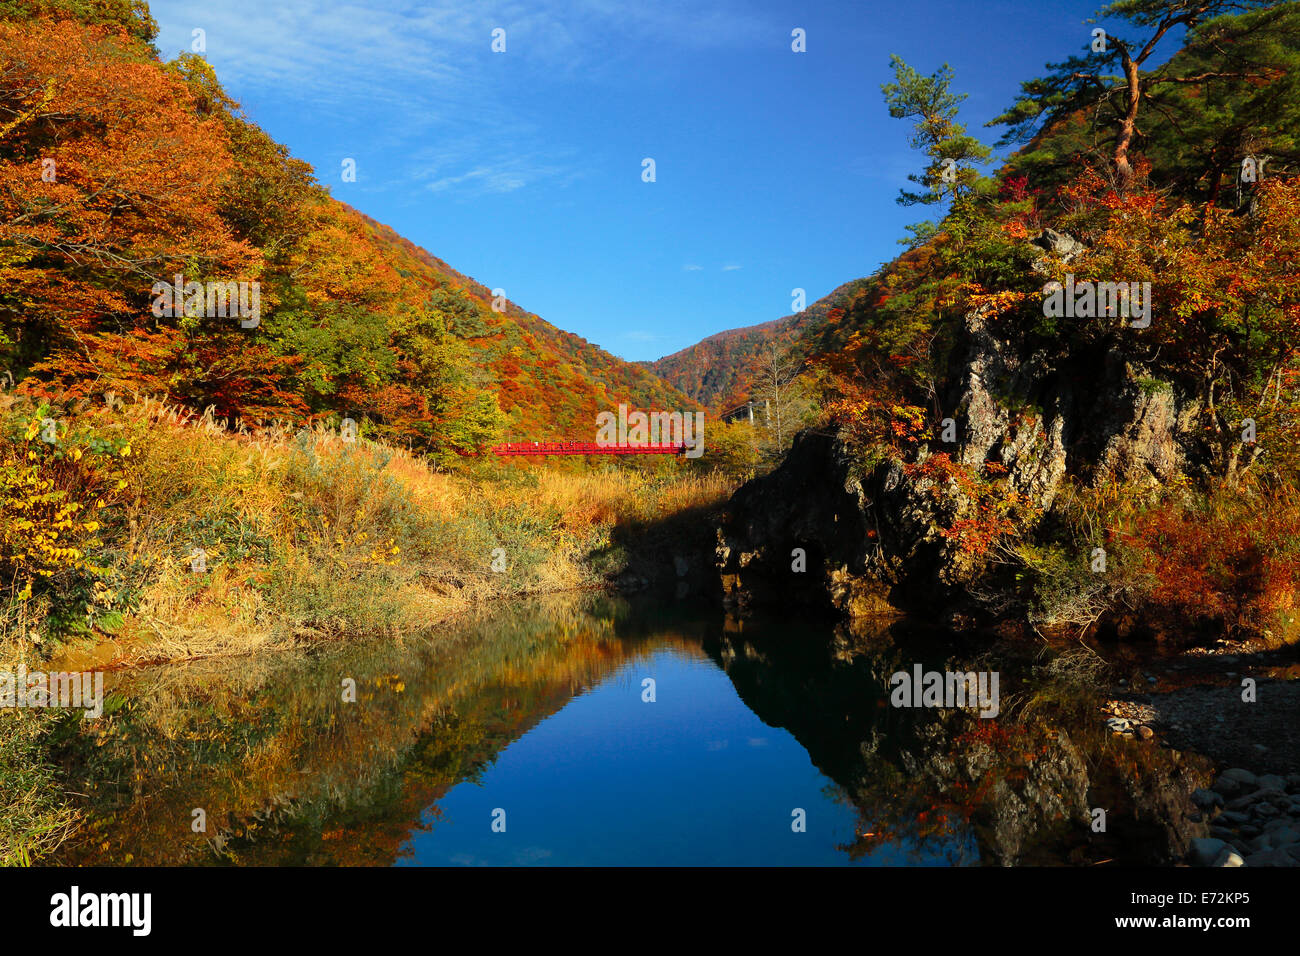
(581,448)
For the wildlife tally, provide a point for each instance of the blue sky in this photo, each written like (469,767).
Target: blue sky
(523,169)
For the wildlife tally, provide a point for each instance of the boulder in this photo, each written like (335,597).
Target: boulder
(1270,858)
(1205,850)
(1229,857)
(1206,799)
(1243,777)
(1059,244)
(1226,786)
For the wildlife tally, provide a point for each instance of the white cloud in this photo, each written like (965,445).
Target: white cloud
(387,76)
(315,50)
(320,49)
(467,166)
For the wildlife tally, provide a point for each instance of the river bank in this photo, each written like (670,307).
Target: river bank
(167,536)
(220,670)
(141,535)
(1235,704)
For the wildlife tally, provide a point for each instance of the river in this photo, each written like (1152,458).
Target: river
(582,730)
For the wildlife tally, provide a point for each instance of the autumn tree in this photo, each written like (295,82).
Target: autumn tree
(132,16)
(119,171)
(780,395)
(107,184)
(1233,118)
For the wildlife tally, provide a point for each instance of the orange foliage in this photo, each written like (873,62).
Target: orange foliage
(136,176)
(976,532)
(1236,566)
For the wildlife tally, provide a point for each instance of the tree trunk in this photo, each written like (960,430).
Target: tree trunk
(1128,126)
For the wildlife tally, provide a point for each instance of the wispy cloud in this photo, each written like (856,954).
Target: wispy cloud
(403,73)
(468,166)
(492,180)
(692,268)
(324,51)
(319,51)
(730,268)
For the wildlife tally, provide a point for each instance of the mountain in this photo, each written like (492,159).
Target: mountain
(339,316)
(551,383)
(717,371)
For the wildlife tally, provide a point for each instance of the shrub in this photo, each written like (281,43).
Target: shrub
(1228,560)
(56,483)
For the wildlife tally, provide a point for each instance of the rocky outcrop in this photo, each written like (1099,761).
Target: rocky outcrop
(1017,792)
(803,533)
(825,529)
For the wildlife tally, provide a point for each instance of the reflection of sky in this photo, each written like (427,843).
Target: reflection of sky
(694,778)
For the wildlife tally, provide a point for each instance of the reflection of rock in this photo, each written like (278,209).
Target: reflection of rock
(1023,791)
(630,583)
(1019,800)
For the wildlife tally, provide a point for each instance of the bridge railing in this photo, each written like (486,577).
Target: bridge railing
(582,448)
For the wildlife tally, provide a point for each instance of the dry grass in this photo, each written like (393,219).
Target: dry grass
(307,537)
(34,817)
(614,497)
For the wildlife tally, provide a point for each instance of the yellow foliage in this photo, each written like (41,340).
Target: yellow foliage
(51,493)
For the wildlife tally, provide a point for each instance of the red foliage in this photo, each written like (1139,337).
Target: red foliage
(1237,566)
(974,533)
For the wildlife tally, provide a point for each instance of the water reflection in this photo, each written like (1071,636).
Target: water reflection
(539,711)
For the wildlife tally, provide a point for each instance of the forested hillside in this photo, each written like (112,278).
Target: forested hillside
(119,171)
(551,383)
(719,371)
(1077,395)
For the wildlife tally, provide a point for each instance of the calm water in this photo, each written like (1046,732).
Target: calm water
(693,778)
(536,716)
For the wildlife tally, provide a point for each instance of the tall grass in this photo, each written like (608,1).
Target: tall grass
(34,815)
(305,536)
